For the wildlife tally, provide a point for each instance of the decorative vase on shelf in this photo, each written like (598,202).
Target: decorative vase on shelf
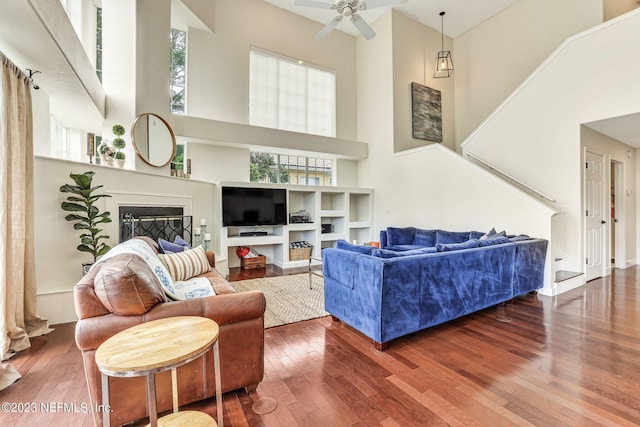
(119,163)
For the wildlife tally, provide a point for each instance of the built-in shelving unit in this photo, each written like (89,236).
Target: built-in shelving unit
(346,213)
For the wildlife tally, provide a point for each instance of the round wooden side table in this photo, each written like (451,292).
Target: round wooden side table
(157,346)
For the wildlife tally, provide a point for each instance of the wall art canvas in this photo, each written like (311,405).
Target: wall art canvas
(427,113)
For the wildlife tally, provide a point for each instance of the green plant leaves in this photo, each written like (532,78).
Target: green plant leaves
(87,216)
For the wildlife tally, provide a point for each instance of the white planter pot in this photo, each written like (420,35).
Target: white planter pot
(119,162)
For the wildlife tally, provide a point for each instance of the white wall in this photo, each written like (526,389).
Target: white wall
(540,123)
(215,163)
(492,59)
(218,63)
(58,265)
(414,52)
(428,187)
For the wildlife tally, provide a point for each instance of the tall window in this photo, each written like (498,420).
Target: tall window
(178,65)
(291,95)
(284,169)
(99,42)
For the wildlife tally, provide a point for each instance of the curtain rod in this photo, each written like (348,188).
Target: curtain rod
(28,79)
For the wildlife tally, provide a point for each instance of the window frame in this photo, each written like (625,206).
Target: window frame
(332,104)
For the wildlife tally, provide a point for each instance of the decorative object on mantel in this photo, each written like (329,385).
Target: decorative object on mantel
(444,62)
(119,144)
(106,152)
(91,146)
(427,113)
(85,215)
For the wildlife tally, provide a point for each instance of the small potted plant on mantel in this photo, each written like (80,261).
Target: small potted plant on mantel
(85,215)
(119,144)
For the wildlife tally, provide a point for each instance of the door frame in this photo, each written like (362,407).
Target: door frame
(620,226)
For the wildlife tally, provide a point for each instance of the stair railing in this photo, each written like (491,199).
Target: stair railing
(510,177)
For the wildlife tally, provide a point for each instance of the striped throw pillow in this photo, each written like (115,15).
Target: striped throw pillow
(187,264)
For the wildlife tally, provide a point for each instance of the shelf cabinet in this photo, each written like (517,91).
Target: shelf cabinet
(347,211)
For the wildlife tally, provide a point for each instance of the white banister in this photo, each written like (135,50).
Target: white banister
(510,177)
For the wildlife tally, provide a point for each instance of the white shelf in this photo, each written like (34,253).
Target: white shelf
(255,240)
(303,227)
(359,224)
(327,237)
(348,210)
(332,213)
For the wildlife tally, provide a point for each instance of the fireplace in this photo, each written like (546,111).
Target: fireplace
(157,222)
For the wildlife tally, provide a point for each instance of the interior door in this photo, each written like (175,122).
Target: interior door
(596,217)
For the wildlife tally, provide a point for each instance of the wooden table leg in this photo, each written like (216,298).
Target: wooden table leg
(106,416)
(216,369)
(151,399)
(174,389)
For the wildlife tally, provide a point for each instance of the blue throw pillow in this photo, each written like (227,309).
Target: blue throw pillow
(343,244)
(166,247)
(475,234)
(180,241)
(424,237)
(400,236)
(445,247)
(443,236)
(385,253)
(497,240)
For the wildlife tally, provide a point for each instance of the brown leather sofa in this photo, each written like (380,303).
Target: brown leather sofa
(122,292)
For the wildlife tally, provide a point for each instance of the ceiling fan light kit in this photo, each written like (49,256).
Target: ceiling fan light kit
(444,61)
(349,9)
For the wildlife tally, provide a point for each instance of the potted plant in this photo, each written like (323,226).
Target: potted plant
(119,144)
(85,215)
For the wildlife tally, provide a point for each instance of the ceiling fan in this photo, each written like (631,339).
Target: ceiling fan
(349,9)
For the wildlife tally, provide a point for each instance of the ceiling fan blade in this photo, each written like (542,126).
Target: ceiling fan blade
(363,27)
(372,4)
(329,27)
(314,3)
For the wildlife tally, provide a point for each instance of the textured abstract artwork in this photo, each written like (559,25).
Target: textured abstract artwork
(427,113)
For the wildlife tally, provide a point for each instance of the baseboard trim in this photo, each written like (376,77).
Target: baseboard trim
(566,285)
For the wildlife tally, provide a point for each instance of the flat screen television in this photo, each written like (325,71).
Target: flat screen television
(244,206)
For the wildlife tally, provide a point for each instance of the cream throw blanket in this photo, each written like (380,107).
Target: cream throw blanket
(196,287)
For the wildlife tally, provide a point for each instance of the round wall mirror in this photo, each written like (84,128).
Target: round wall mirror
(153,139)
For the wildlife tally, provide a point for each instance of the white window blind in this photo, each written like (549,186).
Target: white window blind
(285,94)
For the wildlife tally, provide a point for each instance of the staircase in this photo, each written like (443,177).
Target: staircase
(533,139)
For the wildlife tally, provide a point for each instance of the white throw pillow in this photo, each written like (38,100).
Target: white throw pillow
(185,265)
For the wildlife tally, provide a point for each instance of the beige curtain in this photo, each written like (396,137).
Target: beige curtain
(18,318)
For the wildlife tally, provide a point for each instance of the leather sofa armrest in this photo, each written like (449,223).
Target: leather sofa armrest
(211,256)
(224,309)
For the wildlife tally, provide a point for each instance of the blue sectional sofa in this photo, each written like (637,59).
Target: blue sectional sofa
(422,278)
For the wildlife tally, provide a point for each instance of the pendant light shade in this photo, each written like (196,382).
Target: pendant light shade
(444,62)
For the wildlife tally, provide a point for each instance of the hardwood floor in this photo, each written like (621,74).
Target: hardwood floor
(569,360)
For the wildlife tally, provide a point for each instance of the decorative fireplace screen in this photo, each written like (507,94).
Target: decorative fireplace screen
(157,223)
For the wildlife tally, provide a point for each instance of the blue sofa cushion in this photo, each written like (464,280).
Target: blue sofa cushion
(400,236)
(519,237)
(445,237)
(386,253)
(343,244)
(498,240)
(445,247)
(424,237)
(399,248)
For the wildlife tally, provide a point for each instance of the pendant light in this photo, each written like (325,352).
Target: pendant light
(444,62)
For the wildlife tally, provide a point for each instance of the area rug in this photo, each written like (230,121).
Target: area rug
(289,298)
